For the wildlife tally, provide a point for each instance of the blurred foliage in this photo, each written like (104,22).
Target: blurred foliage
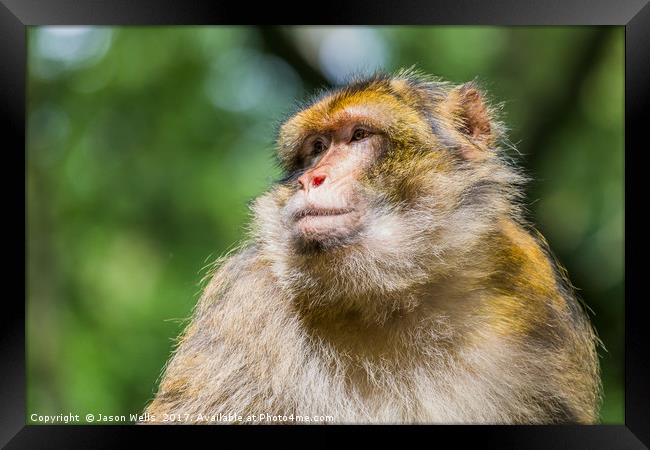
(145,145)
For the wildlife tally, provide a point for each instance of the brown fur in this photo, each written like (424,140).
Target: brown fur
(445,308)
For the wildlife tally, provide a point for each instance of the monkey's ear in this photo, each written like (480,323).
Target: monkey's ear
(471,118)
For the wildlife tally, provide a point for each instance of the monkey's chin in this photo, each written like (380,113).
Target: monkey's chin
(323,232)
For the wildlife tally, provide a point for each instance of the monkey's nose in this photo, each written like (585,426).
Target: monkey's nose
(307,180)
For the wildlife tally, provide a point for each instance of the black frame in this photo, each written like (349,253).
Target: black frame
(633,14)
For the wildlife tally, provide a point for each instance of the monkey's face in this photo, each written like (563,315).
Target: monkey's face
(333,151)
(329,205)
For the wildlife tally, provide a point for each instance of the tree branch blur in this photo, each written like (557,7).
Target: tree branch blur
(563,104)
(275,41)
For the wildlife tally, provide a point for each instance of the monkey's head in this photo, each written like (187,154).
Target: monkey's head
(391,181)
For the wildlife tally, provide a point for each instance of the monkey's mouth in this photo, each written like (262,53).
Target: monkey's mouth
(321,212)
(316,224)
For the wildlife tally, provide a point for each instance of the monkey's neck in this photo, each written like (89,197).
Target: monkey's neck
(437,319)
(442,292)
(508,264)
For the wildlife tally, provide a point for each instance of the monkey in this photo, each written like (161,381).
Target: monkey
(390,277)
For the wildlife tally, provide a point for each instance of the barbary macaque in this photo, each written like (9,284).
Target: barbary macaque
(389,278)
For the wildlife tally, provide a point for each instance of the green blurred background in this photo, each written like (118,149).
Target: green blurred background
(145,145)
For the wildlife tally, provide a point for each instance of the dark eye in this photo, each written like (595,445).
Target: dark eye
(360,134)
(319,147)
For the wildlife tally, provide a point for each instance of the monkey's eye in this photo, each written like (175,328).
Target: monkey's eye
(360,134)
(319,147)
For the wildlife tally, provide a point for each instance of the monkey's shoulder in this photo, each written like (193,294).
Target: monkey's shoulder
(530,289)
(526,266)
